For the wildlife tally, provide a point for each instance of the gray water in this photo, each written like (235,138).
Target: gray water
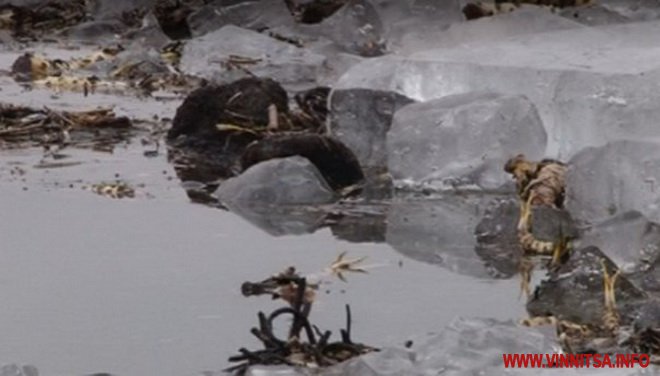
(151,285)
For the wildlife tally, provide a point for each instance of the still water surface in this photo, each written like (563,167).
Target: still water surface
(151,286)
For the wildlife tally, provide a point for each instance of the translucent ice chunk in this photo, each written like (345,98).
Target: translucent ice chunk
(463,139)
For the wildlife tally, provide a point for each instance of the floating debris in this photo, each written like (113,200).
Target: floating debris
(299,293)
(114,190)
(46,127)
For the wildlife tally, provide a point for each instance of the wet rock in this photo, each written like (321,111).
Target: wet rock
(574,291)
(463,140)
(293,180)
(313,11)
(550,224)
(242,103)
(612,179)
(440,232)
(497,236)
(249,14)
(314,102)
(231,52)
(361,119)
(334,160)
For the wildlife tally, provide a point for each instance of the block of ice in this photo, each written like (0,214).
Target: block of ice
(588,91)
(361,118)
(281,181)
(463,139)
(613,179)
(526,20)
(629,239)
(249,14)
(409,24)
(232,49)
(356,27)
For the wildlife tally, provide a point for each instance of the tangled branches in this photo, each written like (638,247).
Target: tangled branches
(316,351)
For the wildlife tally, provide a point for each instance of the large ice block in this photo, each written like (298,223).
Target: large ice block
(612,179)
(231,49)
(281,181)
(590,85)
(463,139)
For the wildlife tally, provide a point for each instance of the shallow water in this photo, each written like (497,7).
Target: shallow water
(152,285)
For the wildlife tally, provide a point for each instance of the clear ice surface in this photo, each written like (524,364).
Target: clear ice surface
(219,55)
(463,139)
(585,83)
(280,181)
(613,179)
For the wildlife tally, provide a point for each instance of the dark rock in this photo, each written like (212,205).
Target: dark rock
(242,103)
(574,291)
(313,11)
(334,160)
(314,102)
(361,119)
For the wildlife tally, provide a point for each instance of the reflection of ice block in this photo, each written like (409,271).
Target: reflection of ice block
(439,232)
(612,179)
(463,139)
(585,83)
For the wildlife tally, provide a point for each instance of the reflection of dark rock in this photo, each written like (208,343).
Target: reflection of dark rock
(575,291)
(361,118)
(439,232)
(242,103)
(497,237)
(364,225)
(287,181)
(333,159)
